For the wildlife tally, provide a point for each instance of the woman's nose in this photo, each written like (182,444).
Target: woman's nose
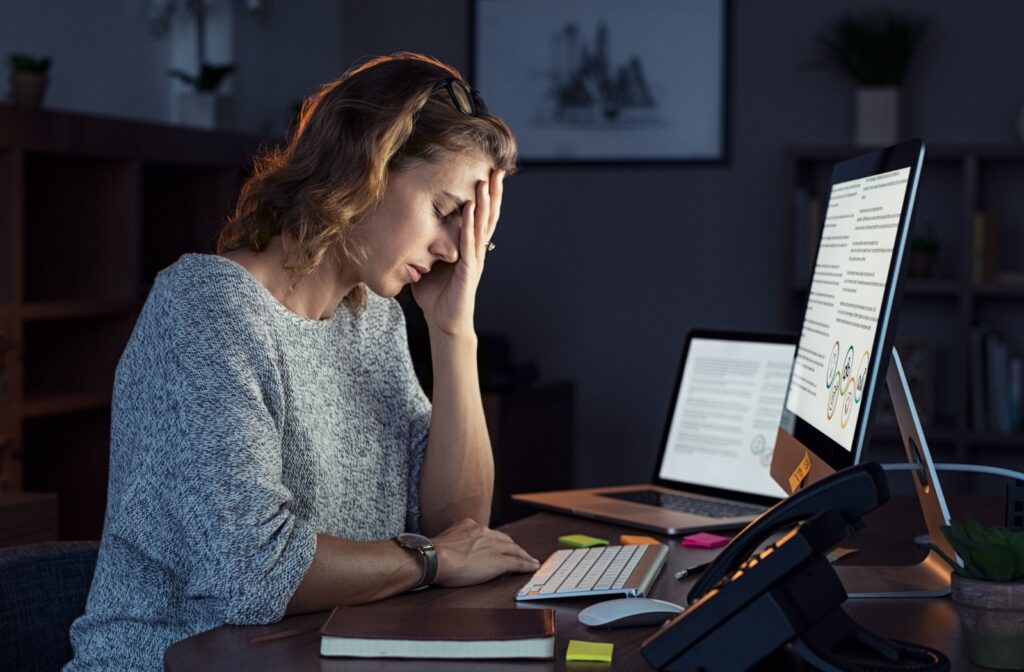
(447,247)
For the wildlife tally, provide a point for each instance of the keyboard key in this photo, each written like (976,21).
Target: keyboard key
(684,504)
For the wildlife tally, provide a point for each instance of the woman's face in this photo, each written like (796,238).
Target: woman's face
(418,221)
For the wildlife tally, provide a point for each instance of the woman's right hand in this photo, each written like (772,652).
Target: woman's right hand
(469,553)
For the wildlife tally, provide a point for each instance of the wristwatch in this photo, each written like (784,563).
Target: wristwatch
(422,545)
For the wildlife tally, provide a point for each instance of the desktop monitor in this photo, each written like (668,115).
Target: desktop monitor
(850,319)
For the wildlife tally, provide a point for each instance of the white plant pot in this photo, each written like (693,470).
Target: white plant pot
(878,114)
(204,110)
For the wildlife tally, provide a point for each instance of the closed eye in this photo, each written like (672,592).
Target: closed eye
(443,217)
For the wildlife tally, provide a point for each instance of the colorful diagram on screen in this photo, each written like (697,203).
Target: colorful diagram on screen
(844,387)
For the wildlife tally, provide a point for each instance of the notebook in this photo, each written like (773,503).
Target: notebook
(712,472)
(438,632)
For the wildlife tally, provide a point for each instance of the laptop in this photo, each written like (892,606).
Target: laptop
(712,472)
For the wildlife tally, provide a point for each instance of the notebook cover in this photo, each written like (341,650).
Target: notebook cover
(439,623)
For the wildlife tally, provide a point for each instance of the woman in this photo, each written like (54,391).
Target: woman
(269,439)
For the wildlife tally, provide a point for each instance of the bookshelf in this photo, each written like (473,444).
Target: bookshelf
(958,283)
(90,210)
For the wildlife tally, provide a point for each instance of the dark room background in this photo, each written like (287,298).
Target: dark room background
(600,269)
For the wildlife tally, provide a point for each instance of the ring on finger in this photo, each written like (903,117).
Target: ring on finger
(490,246)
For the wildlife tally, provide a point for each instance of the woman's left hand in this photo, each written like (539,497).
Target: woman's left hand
(447,295)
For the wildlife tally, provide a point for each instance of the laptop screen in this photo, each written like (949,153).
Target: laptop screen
(726,415)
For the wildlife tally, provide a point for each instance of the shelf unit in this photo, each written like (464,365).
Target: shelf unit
(956,183)
(90,210)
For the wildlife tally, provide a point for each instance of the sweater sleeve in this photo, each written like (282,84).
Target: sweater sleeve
(246,550)
(413,405)
(419,434)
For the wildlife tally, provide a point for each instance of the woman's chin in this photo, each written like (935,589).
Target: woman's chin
(387,290)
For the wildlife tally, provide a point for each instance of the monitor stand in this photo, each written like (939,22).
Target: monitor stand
(931,576)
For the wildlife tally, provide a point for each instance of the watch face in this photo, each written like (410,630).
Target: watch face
(414,540)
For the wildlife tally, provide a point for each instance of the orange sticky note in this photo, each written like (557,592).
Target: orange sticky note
(637,540)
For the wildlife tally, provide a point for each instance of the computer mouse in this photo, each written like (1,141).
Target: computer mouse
(629,612)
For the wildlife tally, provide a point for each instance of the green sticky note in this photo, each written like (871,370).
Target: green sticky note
(597,652)
(581,541)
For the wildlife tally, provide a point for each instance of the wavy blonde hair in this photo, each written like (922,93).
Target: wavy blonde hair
(376,119)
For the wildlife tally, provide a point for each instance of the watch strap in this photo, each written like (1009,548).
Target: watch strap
(428,560)
(429,566)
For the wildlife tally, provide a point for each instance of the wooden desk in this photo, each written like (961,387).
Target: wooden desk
(294,643)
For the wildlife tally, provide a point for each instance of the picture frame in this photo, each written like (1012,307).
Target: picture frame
(603,81)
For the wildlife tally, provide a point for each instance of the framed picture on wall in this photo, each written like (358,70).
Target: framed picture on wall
(606,80)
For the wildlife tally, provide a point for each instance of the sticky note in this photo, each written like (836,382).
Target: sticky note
(581,541)
(597,652)
(705,540)
(637,540)
(800,473)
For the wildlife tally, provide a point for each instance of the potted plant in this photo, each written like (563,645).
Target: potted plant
(202,107)
(874,50)
(28,79)
(989,591)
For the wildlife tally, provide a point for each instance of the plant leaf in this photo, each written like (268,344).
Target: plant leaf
(975,530)
(956,528)
(998,562)
(963,549)
(183,76)
(1017,544)
(210,76)
(872,49)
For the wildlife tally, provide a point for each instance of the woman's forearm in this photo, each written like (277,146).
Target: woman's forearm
(354,572)
(457,478)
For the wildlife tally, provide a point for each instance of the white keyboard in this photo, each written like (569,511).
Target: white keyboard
(602,570)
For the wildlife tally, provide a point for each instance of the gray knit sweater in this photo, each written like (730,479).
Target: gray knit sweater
(241,430)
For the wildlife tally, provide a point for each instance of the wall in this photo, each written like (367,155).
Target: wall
(600,269)
(105,61)
(284,60)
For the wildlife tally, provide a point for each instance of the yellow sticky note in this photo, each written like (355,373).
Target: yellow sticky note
(801,471)
(637,540)
(581,541)
(598,652)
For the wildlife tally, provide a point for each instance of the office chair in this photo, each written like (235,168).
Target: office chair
(43,588)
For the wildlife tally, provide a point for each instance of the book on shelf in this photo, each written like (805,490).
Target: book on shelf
(984,247)
(996,358)
(979,412)
(1016,373)
(997,384)
(438,632)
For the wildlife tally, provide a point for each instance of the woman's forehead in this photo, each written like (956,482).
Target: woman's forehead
(453,173)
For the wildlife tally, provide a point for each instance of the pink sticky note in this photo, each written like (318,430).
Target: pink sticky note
(705,540)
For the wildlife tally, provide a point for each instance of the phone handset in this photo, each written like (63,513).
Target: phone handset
(852,492)
(788,597)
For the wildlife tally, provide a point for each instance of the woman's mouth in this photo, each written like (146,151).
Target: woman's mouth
(414,272)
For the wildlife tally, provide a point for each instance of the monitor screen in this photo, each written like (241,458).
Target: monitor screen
(845,301)
(726,414)
(849,322)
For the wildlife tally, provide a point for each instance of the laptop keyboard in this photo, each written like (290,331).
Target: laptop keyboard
(696,505)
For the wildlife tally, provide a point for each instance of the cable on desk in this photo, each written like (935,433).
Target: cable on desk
(953,466)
